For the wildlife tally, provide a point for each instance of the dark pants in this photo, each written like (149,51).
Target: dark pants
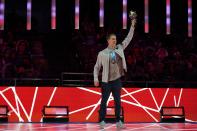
(106,89)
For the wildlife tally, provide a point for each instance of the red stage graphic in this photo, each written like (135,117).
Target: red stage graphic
(140,104)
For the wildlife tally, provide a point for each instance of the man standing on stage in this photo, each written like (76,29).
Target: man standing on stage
(113,63)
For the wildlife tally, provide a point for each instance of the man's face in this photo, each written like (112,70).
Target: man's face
(112,41)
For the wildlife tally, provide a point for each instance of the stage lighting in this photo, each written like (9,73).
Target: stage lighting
(55,114)
(172,114)
(3,114)
(189,18)
(2,11)
(168,17)
(29,9)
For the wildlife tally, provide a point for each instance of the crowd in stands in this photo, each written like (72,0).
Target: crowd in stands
(21,57)
(170,58)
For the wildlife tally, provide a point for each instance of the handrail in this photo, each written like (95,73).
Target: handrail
(29,82)
(86,80)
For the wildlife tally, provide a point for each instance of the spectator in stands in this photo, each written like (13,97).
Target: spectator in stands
(8,67)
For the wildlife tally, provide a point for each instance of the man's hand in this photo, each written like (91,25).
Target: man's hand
(96,83)
(133,15)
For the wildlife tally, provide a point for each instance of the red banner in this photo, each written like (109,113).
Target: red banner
(140,104)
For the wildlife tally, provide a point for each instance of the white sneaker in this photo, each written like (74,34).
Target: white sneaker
(120,124)
(102,124)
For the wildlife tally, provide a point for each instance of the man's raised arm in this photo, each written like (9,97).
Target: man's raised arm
(129,37)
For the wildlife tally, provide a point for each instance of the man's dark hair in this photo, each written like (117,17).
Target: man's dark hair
(109,35)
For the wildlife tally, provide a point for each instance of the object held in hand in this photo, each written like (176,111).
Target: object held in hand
(132,15)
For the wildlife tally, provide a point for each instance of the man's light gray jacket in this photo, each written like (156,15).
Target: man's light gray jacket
(103,58)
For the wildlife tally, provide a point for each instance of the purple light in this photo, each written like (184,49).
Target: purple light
(2,8)
(101,13)
(168,19)
(168,9)
(189,2)
(53,14)
(77,9)
(1,17)
(124,14)
(77,14)
(189,20)
(124,2)
(53,8)
(146,16)
(189,10)
(29,4)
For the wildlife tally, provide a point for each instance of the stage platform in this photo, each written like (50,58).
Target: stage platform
(95,127)
(25,104)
